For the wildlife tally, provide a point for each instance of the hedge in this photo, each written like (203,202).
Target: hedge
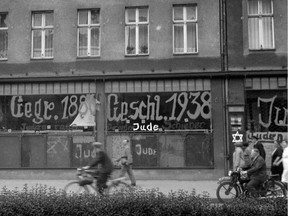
(41,200)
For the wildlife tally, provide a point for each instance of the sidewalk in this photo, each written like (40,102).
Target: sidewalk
(164,186)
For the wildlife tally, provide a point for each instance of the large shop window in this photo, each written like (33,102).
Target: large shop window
(47,125)
(266,117)
(46,150)
(167,127)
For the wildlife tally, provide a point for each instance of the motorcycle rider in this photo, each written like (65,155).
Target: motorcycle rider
(256,172)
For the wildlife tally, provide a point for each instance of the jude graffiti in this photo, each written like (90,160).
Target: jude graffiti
(144,151)
(277,121)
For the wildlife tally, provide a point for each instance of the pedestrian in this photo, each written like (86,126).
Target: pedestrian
(258,144)
(276,162)
(238,160)
(126,161)
(246,155)
(284,160)
(105,169)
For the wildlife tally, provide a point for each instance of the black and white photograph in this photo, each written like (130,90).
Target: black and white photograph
(143,107)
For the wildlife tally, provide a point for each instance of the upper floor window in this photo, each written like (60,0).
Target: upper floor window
(88,33)
(42,34)
(136,31)
(3,36)
(185,29)
(260,24)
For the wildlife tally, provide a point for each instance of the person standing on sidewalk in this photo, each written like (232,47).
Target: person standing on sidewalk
(276,162)
(126,162)
(284,161)
(238,160)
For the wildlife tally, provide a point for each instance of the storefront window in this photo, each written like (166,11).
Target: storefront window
(166,129)
(266,118)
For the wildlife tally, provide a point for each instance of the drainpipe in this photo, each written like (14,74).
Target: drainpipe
(224,69)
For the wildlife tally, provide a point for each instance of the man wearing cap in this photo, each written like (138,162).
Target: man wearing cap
(104,165)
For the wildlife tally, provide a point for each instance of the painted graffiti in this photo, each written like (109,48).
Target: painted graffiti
(272,107)
(237,137)
(47,112)
(144,151)
(40,110)
(143,127)
(84,153)
(267,136)
(150,109)
(180,110)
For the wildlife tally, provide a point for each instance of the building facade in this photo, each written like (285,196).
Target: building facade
(180,79)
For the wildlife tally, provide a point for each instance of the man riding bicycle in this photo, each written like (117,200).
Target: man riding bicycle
(104,165)
(256,172)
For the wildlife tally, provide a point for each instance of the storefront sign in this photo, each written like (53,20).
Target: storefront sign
(158,111)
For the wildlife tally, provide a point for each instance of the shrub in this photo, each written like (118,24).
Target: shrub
(41,200)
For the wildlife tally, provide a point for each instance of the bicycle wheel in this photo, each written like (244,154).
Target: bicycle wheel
(226,192)
(275,189)
(75,188)
(119,187)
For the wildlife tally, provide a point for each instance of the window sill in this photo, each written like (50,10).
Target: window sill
(136,55)
(183,54)
(45,59)
(261,50)
(87,57)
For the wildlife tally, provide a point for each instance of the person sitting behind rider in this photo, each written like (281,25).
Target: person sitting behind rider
(104,165)
(256,172)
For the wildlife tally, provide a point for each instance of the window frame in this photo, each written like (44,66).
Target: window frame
(137,23)
(89,26)
(43,28)
(4,29)
(184,23)
(259,17)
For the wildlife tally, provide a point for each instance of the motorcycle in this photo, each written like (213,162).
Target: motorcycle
(234,185)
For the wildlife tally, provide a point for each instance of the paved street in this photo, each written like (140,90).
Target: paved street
(164,186)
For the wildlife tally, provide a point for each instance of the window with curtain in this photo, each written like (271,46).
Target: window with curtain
(3,36)
(185,29)
(136,31)
(42,34)
(88,33)
(260,24)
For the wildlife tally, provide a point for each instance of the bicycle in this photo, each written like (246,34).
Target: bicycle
(86,184)
(234,185)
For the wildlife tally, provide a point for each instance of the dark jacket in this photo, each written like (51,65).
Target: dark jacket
(104,161)
(261,149)
(277,169)
(257,169)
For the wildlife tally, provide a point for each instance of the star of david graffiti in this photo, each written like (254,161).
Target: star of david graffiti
(239,139)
